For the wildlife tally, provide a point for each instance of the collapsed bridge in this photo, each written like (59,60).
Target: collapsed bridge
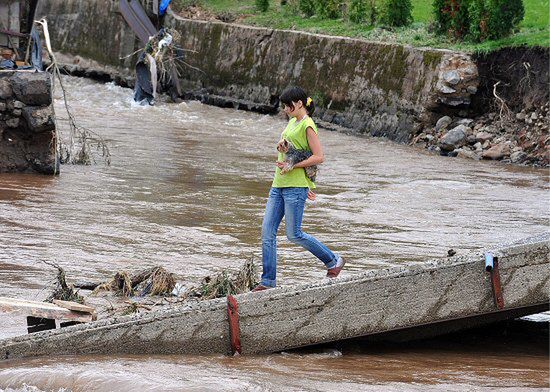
(411,301)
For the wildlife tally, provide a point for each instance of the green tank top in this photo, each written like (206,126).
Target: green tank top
(297,135)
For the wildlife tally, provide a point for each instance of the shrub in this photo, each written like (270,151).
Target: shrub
(329,9)
(262,5)
(307,7)
(358,11)
(397,13)
(373,12)
(505,16)
(452,17)
(479,17)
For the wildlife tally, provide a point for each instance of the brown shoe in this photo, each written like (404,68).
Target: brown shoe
(335,271)
(260,287)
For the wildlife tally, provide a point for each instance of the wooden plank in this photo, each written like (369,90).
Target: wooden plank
(42,310)
(74,306)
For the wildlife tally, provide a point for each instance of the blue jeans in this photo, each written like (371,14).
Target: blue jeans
(289,202)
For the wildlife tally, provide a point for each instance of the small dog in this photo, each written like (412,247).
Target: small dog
(293,156)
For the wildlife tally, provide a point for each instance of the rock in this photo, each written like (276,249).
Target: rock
(455,138)
(2,106)
(471,139)
(16,112)
(465,153)
(497,152)
(452,77)
(32,88)
(18,104)
(528,120)
(478,147)
(443,123)
(39,119)
(483,136)
(446,90)
(464,121)
(520,116)
(12,123)
(452,154)
(5,89)
(518,157)
(486,144)
(471,89)
(534,116)
(429,138)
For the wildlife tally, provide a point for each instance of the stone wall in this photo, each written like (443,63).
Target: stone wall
(376,88)
(27,129)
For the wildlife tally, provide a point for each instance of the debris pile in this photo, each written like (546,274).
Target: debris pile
(157,66)
(224,284)
(520,138)
(152,281)
(155,287)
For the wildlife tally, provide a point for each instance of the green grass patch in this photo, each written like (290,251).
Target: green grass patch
(534,29)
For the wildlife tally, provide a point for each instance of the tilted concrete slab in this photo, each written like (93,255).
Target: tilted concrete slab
(444,292)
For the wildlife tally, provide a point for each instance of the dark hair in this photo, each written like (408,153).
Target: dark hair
(295,94)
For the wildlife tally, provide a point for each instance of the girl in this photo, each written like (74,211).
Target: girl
(291,188)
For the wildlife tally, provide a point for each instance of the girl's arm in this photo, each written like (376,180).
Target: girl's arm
(317,156)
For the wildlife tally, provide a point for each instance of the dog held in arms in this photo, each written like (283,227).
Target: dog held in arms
(293,156)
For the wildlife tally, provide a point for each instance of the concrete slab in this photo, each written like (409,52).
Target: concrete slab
(442,292)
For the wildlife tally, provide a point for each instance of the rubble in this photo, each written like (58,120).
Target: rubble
(521,138)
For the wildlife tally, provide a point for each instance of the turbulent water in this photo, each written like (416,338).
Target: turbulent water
(186,190)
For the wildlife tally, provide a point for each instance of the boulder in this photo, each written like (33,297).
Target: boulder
(465,153)
(483,136)
(518,157)
(39,119)
(5,89)
(451,77)
(12,123)
(443,123)
(497,152)
(454,139)
(32,88)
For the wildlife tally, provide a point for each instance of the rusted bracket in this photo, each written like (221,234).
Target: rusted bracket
(234,327)
(491,266)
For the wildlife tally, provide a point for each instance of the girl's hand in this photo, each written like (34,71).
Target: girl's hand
(311,195)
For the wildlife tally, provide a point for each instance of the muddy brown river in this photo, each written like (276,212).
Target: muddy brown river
(186,190)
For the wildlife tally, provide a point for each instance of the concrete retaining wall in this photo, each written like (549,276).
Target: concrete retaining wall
(365,304)
(27,129)
(375,88)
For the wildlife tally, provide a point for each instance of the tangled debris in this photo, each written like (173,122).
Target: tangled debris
(224,284)
(153,288)
(152,281)
(62,290)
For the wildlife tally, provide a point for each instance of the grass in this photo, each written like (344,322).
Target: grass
(534,29)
